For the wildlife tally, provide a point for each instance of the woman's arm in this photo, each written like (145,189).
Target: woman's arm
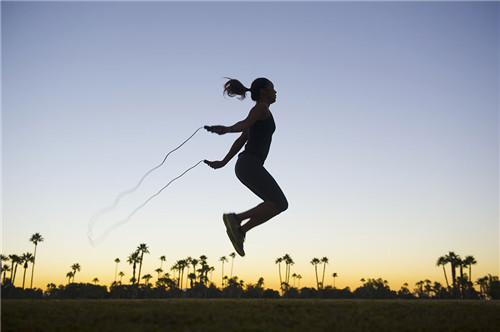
(235,148)
(258,112)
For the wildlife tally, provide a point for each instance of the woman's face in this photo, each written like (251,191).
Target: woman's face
(269,93)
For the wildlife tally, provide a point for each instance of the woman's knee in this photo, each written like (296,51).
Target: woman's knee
(281,205)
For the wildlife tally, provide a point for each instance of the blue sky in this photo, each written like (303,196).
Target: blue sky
(386,143)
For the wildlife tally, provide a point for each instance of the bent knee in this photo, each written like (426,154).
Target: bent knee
(282,205)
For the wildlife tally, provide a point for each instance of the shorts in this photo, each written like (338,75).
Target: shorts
(250,171)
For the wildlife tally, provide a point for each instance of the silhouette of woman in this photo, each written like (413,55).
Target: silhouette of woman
(256,131)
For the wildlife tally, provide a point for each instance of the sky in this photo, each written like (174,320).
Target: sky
(386,143)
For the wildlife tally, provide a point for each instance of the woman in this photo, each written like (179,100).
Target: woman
(256,131)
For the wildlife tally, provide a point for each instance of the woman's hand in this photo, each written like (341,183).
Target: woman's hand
(217,129)
(215,164)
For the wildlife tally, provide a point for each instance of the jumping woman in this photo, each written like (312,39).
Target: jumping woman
(256,131)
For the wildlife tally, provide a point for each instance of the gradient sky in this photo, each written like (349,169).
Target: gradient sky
(386,143)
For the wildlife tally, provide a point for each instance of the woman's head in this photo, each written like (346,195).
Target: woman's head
(259,87)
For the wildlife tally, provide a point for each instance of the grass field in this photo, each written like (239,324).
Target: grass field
(249,315)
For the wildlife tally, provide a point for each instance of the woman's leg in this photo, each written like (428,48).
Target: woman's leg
(258,215)
(253,175)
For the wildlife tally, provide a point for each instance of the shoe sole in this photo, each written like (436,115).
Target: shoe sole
(232,236)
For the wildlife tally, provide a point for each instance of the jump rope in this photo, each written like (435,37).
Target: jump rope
(95,241)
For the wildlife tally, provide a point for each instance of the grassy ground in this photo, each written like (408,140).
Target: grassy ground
(249,315)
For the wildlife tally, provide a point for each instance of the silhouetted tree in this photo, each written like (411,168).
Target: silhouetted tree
(147,277)
(324,260)
(16,260)
(455,262)
(278,261)
(162,259)
(121,274)
(315,261)
(223,259)
(299,277)
(95,281)
(76,268)
(69,275)
(141,249)
(468,262)
(133,259)
(375,289)
(232,255)
(334,275)
(442,261)
(26,258)
(288,263)
(35,238)
(117,261)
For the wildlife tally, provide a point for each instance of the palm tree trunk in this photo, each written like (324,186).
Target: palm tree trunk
(445,277)
(24,275)
(133,273)
(323,279)
(15,271)
(316,270)
(33,268)
(140,267)
(281,282)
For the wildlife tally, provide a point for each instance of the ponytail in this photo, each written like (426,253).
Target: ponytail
(235,88)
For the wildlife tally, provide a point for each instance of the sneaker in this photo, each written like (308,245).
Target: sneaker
(233,230)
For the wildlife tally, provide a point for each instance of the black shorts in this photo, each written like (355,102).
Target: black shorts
(251,172)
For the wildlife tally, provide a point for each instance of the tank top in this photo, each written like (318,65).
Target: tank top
(259,138)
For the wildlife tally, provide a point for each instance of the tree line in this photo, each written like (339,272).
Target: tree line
(193,277)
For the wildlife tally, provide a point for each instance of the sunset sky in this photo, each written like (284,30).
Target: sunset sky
(386,142)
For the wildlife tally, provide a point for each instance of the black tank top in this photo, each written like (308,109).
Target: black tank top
(259,138)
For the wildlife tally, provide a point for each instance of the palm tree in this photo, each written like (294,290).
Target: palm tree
(162,259)
(288,263)
(183,263)
(294,276)
(194,262)
(147,277)
(95,280)
(428,287)
(469,261)
(455,261)
(121,274)
(223,259)
(35,238)
(192,278)
(142,249)
(75,267)
(315,261)
(133,259)
(117,261)
(158,270)
(5,268)
(334,275)
(483,284)
(232,255)
(324,260)
(176,267)
(442,261)
(299,277)
(278,261)
(26,258)
(16,260)
(69,275)
(420,289)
